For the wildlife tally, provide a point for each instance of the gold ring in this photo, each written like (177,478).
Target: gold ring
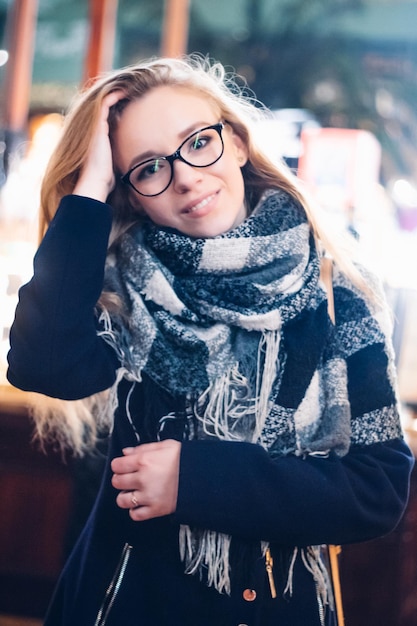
(134,500)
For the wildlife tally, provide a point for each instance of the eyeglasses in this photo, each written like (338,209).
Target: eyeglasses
(201,149)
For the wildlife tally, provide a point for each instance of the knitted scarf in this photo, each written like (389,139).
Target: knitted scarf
(206,318)
(192,304)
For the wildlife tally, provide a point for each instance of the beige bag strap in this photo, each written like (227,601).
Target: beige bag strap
(326,275)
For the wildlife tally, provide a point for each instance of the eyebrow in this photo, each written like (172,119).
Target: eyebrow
(144,156)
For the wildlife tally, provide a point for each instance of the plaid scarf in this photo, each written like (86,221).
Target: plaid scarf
(193,304)
(208,319)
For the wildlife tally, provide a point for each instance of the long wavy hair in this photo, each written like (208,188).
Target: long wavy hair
(236,104)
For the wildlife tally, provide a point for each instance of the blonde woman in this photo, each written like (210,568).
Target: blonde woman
(178,281)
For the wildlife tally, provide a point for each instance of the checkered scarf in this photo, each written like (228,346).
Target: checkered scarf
(207,319)
(195,307)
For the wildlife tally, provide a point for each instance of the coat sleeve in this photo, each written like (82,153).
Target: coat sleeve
(54,347)
(238,489)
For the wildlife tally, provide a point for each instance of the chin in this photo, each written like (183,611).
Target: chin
(215,231)
(210,228)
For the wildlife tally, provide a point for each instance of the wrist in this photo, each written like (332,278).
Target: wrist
(96,189)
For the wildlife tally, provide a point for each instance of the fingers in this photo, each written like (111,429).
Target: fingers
(142,507)
(113,97)
(133,501)
(126,465)
(147,477)
(110,100)
(135,457)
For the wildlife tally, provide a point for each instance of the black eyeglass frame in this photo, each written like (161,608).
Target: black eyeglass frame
(173,157)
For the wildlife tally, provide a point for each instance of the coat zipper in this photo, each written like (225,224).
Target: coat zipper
(320,606)
(269,563)
(114,586)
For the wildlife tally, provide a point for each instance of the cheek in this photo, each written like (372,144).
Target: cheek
(132,199)
(154,210)
(236,177)
(135,201)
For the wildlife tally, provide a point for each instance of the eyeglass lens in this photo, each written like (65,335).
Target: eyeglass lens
(201,149)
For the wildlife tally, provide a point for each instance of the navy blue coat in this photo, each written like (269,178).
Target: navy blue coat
(130,573)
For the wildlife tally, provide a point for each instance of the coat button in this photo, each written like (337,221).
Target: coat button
(249,595)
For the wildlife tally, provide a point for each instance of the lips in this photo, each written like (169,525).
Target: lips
(194,207)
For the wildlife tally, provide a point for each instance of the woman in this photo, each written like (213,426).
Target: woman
(181,271)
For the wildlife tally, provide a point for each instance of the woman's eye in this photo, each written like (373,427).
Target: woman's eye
(148,170)
(198,142)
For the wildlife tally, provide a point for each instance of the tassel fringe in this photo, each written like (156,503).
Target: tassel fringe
(207,550)
(313,562)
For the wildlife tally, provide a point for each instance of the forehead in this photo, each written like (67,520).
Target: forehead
(158,121)
(169,106)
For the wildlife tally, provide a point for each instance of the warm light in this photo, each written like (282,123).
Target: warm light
(404,193)
(4,57)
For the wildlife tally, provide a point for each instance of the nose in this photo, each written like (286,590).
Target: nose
(185,176)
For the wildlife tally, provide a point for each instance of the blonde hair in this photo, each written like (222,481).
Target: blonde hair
(235,104)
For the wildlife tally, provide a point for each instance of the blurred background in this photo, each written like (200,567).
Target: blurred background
(340,80)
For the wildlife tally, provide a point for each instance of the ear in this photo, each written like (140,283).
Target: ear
(240,149)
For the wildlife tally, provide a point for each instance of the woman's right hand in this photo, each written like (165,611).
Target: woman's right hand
(97,177)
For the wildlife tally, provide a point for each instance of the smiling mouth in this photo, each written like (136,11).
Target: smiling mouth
(200,205)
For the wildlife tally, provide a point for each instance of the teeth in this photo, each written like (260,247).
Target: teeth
(201,204)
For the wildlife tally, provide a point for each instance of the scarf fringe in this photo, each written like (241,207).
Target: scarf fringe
(230,397)
(265,377)
(226,401)
(207,550)
(109,334)
(313,562)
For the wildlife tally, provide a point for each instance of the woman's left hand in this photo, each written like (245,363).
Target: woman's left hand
(147,477)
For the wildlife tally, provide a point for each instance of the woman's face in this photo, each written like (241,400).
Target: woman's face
(200,202)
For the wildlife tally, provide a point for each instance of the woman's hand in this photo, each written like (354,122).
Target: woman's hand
(97,178)
(147,477)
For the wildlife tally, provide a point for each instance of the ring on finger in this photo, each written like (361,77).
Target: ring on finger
(134,500)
